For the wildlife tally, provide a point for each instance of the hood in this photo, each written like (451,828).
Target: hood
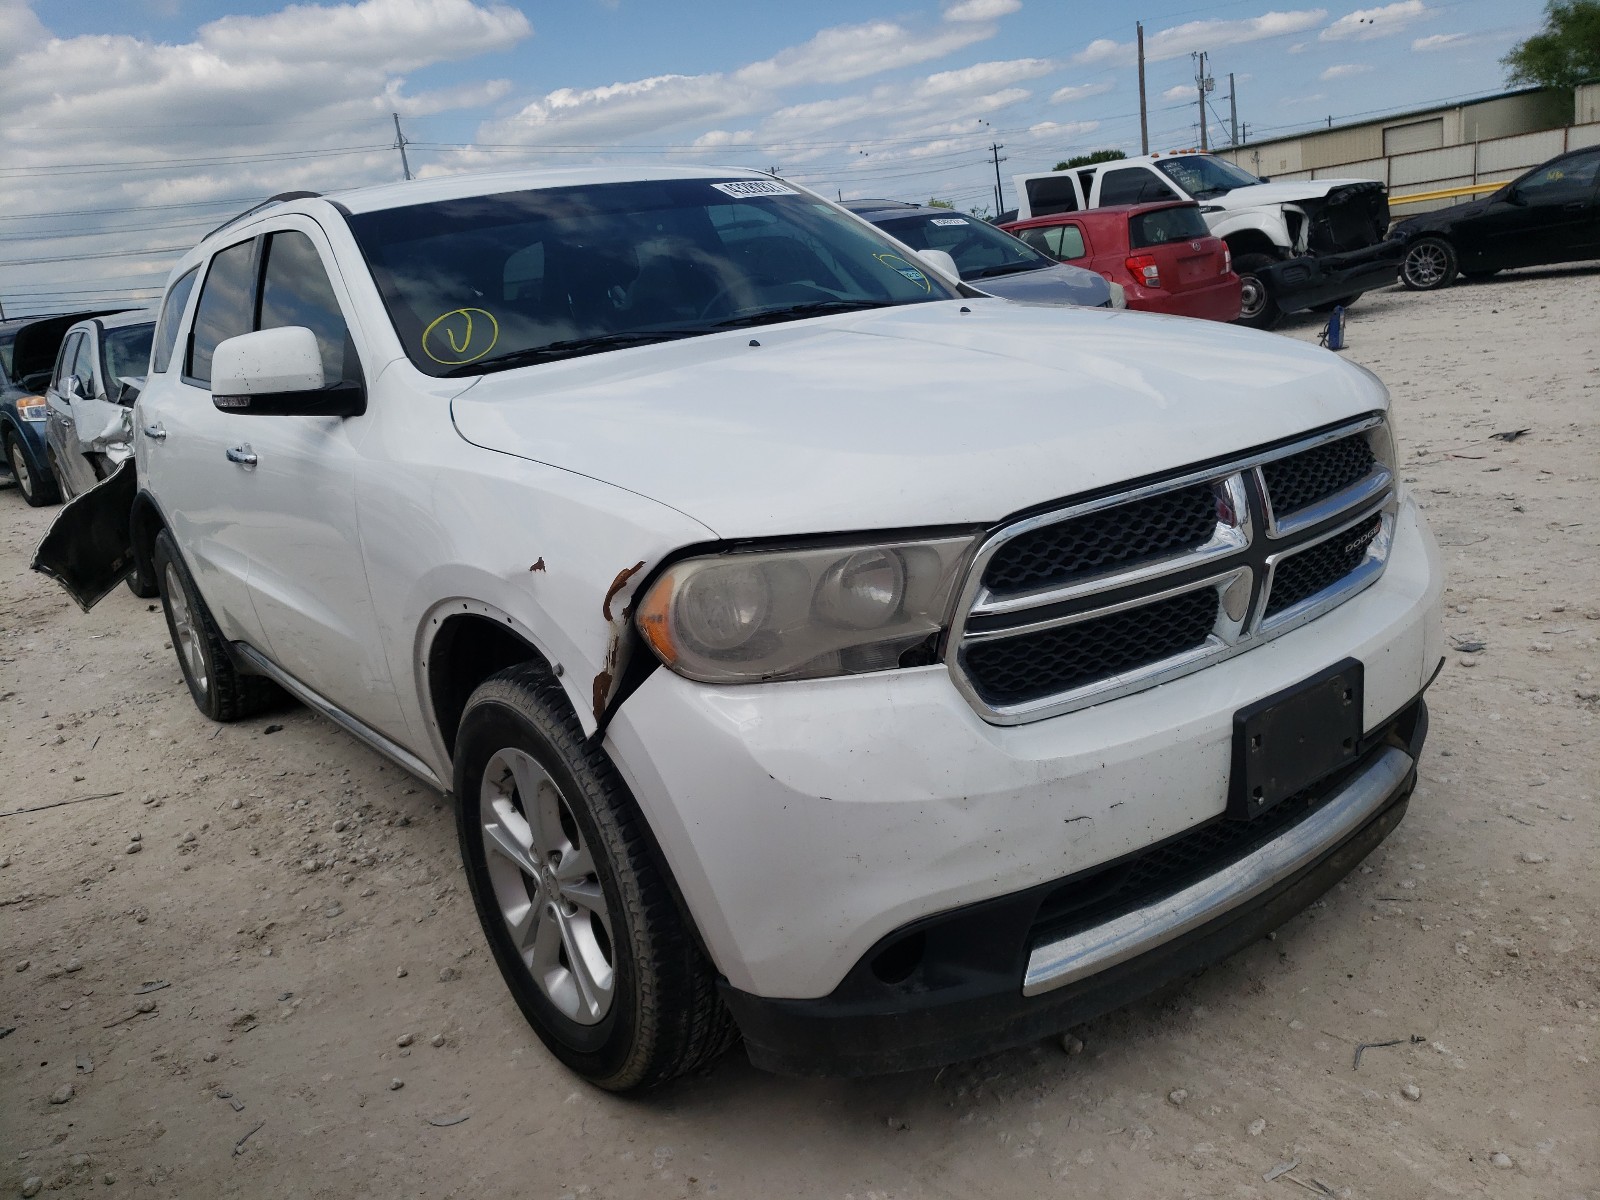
(1059,284)
(1261,195)
(1441,218)
(917,415)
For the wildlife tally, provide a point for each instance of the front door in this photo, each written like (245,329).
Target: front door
(292,482)
(1547,216)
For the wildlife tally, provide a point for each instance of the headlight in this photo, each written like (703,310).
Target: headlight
(753,615)
(31,408)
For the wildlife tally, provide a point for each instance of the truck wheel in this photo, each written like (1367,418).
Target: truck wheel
(1429,263)
(578,916)
(1257,308)
(219,690)
(36,490)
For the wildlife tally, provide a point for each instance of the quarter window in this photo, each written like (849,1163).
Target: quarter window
(295,290)
(67,361)
(224,308)
(171,317)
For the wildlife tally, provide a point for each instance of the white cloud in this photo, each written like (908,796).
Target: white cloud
(1365,24)
(1311,99)
(981,10)
(1080,91)
(1298,48)
(19,29)
(1441,41)
(985,75)
(1182,91)
(716,139)
(847,52)
(1344,71)
(1180,40)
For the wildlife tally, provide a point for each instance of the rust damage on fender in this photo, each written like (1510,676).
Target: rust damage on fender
(608,674)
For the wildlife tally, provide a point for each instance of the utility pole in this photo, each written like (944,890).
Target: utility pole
(999,196)
(1144,112)
(1233,113)
(1203,83)
(400,142)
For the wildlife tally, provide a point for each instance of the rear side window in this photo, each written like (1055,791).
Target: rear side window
(295,290)
(1166,225)
(1133,185)
(1059,241)
(166,337)
(224,308)
(1053,194)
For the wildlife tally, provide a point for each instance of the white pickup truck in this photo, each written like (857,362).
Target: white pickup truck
(1309,243)
(816,650)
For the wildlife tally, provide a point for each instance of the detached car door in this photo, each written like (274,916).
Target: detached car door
(291,482)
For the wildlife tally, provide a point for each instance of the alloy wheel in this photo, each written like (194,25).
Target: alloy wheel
(19,468)
(1426,265)
(184,630)
(546,887)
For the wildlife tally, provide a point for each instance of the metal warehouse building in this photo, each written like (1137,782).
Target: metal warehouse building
(1460,150)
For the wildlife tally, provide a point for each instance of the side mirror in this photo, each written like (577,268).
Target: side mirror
(128,392)
(1264,178)
(278,372)
(71,388)
(1512,196)
(941,261)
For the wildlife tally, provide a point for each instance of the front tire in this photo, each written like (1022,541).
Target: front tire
(219,689)
(578,916)
(1257,308)
(1429,264)
(37,490)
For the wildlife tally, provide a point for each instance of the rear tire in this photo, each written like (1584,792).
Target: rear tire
(219,689)
(37,491)
(1257,308)
(1429,264)
(579,918)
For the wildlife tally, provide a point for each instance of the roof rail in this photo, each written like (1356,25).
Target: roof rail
(280,198)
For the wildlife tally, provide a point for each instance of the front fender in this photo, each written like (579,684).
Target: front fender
(1268,222)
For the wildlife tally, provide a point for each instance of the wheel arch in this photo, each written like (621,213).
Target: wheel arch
(1251,241)
(145,521)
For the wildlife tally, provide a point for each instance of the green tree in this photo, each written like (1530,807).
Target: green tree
(1100,156)
(1565,53)
(940,204)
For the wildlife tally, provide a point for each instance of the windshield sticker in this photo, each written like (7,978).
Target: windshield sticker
(949,220)
(901,267)
(460,336)
(754,187)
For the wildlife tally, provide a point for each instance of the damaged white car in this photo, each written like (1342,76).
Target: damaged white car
(88,429)
(817,651)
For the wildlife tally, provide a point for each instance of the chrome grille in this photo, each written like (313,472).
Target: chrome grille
(1110,596)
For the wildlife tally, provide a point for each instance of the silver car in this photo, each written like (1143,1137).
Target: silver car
(89,403)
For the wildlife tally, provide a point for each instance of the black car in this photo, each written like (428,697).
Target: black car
(1549,215)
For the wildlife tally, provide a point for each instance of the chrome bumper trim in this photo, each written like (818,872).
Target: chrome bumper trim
(1066,960)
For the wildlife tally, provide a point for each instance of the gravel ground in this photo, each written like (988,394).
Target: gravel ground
(248,965)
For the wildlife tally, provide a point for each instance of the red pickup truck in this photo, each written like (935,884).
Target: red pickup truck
(1162,254)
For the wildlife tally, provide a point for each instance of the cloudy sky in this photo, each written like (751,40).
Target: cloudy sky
(133,126)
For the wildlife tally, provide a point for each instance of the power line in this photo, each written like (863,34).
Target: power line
(97,212)
(150,253)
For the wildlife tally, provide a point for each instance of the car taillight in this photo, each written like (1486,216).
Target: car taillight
(1227,258)
(1144,270)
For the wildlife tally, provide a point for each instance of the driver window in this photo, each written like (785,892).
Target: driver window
(1561,182)
(295,290)
(66,362)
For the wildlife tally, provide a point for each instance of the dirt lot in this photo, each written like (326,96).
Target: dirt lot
(327,1022)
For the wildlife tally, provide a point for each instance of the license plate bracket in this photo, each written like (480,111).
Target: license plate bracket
(1286,742)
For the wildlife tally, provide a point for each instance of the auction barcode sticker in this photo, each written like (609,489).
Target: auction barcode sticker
(755,187)
(949,220)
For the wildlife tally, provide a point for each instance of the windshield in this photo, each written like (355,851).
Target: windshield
(488,282)
(1203,176)
(981,251)
(127,352)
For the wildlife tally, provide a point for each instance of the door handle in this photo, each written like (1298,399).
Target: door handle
(1575,206)
(156,432)
(242,455)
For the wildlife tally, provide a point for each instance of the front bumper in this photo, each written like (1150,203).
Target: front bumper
(1300,283)
(805,822)
(961,998)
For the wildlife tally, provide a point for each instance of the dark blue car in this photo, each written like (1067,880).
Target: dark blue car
(28,349)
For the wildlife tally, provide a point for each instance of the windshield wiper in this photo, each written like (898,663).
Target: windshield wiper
(795,312)
(1006,269)
(572,348)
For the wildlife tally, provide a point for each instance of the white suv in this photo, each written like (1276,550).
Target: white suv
(815,650)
